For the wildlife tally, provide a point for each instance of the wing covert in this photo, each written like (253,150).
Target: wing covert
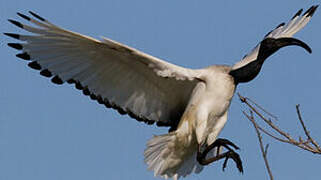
(120,77)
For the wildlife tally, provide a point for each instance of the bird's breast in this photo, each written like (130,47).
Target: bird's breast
(219,92)
(213,102)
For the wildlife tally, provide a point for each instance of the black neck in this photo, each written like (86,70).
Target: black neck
(247,73)
(267,47)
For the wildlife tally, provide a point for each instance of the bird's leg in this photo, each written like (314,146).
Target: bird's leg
(201,156)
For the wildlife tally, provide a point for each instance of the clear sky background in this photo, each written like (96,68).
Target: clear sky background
(51,132)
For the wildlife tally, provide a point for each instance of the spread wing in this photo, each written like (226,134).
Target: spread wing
(132,82)
(283,30)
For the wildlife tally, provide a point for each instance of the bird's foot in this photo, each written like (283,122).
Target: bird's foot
(236,158)
(201,156)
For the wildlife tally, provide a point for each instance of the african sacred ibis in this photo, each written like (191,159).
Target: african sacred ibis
(152,90)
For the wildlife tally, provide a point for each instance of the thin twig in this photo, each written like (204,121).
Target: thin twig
(269,122)
(303,144)
(263,109)
(266,132)
(264,151)
(307,133)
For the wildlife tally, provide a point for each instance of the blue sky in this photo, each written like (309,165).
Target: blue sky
(54,132)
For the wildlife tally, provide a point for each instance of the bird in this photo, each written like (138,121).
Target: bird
(193,103)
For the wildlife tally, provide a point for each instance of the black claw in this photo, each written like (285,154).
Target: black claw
(224,142)
(225,163)
(297,14)
(57,80)
(24,16)
(15,36)
(34,65)
(37,16)
(24,56)
(16,23)
(201,156)
(238,162)
(236,158)
(46,73)
(16,46)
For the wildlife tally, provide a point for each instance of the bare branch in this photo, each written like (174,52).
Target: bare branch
(268,121)
(310,144)
(264,151)
(307,133)
(263,109)
(266,132)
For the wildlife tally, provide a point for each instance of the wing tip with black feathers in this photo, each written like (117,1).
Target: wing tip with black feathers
(12,35)
(24,16)
(37,16)
(311,11)
(297,14)
(58,80)
(16,46)
(16,23)
(24,56)
(107,103)
(34,65)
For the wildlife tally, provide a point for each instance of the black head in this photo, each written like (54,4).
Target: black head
(267,47)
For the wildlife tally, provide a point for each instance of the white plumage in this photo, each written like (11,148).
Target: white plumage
(194,103)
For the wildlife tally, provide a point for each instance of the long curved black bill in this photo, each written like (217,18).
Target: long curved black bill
(267,47)
(282,42)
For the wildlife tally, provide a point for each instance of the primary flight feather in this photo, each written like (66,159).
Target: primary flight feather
(193,103)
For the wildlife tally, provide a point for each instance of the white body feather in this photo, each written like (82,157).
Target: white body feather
(204,118)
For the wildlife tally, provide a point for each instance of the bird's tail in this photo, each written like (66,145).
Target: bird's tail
(168,157)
